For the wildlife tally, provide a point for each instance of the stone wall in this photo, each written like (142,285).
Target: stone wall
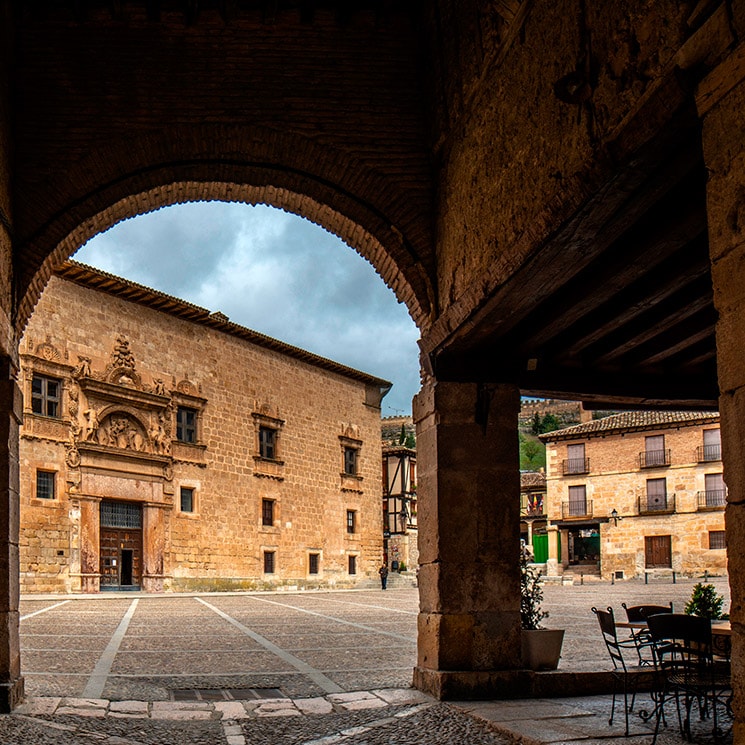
(234,384)
(616,481)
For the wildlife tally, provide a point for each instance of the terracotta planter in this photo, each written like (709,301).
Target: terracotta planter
(542,648)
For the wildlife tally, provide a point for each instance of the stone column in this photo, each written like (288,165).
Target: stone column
(721,102)
(552,565)
(11,415)
(469,539)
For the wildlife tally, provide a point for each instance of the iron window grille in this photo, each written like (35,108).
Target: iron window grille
(187,499)
(269,562)
(45,396)
(313,563)
(717,539)
(121,515)
(186,424)
(45,485)
(267,512)
(350,461)
(351,521)
(268,443)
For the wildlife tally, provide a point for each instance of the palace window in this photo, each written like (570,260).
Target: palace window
(186,424)
(350,460)
(267,512)
(352,564)
(717,539)
(45,396)
(269,557)
(45,485)
(351,521)
(268,442)
(314,563)
(187,499)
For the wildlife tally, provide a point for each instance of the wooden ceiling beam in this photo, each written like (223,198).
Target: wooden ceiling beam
(651,290)
(641,251)
(691,327)
(668,310)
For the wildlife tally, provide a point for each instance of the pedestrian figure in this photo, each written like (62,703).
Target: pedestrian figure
(383,572)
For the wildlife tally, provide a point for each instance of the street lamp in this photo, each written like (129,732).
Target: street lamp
(615,516)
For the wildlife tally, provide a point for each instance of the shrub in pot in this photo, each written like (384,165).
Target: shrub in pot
(541,648)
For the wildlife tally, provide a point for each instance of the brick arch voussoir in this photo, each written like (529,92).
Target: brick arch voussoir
(326,187)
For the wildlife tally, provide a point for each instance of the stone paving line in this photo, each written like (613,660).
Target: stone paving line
(571,721)
(229,713)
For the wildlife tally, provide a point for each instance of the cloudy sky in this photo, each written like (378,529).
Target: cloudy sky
(275,273)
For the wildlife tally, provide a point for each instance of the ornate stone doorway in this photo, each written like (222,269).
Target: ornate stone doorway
(121,546)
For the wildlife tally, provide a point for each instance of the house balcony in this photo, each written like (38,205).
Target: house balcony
(654,458)
(712,499)
(575,465)
(576,509)
(708,453)
(532,509)
(658,504)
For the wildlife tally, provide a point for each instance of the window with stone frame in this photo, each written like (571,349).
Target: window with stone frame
(268,442)
(267,512)
(352,564)
(314,563)
(269,562)
(351,521)
(187,499)
(717,539)
(46,484)
(186,424)
(350,460)
(268,438)
(46,396)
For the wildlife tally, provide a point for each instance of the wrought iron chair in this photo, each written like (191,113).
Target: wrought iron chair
(689,673)
(624,674)
(644,644)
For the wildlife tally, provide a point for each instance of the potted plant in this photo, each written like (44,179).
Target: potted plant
(705,602)
(541,648)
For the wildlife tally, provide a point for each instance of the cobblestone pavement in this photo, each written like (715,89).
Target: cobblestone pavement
(310,668)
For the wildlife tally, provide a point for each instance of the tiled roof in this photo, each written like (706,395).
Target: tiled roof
(629,421)
(534,479)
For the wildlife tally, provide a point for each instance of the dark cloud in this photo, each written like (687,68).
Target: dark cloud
(273,272)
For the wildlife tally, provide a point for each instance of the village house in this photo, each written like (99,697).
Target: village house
(636,493)
(165,448)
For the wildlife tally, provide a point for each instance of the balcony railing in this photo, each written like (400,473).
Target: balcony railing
(657,504)
(708,453)
(654,458)
(576,508)
(712,499)
(575,465)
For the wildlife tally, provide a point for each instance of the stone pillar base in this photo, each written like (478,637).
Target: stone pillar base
(11,695)
(464,685)
(467,685)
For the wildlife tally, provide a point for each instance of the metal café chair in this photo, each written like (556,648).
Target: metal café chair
(688,671)
(639,614)
(624,674)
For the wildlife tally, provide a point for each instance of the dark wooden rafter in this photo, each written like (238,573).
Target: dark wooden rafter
(610,324)
(636,255)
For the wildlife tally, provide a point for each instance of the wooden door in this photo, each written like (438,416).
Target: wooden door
(658,552)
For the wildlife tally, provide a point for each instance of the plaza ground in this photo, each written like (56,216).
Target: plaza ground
(243,669)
